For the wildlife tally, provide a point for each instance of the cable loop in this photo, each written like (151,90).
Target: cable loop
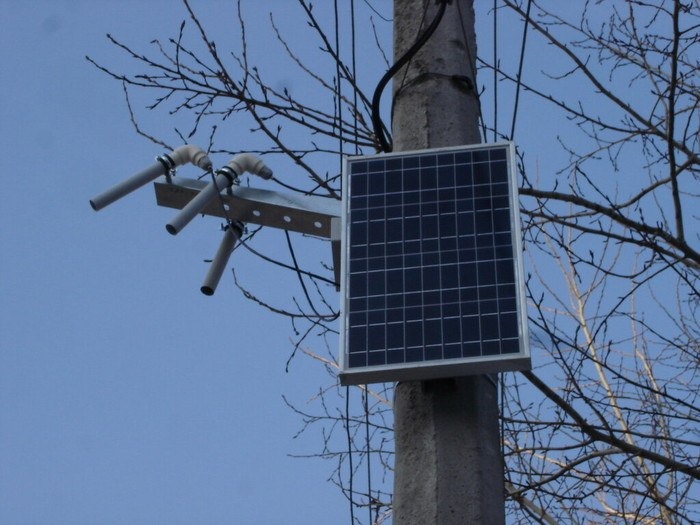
(379,128)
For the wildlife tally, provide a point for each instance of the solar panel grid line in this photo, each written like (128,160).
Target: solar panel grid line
(426,252)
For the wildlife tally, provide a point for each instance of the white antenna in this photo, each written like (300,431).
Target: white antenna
(165,163)
(232,233)
(224,179)
(308,214)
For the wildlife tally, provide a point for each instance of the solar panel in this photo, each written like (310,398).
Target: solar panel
(432,280)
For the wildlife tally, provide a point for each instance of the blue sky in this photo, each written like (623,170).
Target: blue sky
(126,396)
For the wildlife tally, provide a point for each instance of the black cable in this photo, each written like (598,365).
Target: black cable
(339,110)
(495,71)
(224,208)
(349,437)
(377,124)
(347,406)
(356,129)
(520,69)
(299,274)
(365,402)
(244,243)
(339,106)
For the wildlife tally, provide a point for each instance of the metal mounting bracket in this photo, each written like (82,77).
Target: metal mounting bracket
(307,214)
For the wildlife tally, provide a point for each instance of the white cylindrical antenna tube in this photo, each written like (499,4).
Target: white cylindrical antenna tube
(118,191)
(231,235)
(222,180)
(166,162)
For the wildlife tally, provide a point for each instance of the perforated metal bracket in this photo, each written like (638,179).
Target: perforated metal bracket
(336,234)
(307,214)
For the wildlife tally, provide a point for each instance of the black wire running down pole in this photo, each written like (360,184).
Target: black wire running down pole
(377,124)
(520,70)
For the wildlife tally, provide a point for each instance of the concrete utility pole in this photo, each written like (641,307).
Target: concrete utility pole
(448,466)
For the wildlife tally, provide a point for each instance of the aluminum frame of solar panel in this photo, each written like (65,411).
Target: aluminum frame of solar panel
(432,280)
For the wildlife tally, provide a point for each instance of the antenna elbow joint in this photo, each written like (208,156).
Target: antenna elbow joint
(248,162)
(192,154)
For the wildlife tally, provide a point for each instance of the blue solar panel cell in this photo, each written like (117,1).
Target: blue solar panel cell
(429,261)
